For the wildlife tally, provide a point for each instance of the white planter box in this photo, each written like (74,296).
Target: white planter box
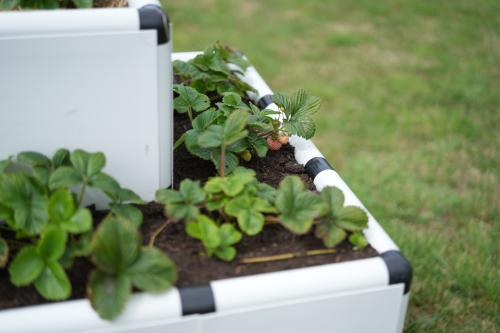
(367,295)
(95,79)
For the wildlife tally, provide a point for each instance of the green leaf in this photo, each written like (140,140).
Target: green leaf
(228,235)
(108,294)
(193,230)
(124,195)
(105,183)
(53,283)
(234,127)
(153,271)
(191,143)
(34,159)
(52,243)
(77,247)
(209,232)
(26,266)
(115,245)
(182,204)
(330,234)
(227,253)
(352,218)
(231,161)
(205,119)
(212,137)
(248,212)
(230,185)
(9,4)
(4,164)
(258,144)
(87,164)
(298,109)
(64,177)
(4,252)
(358,240)
(42,174)
(24,203)
(83,3)
(333,199)
(298,207)
(128,212)
(61,205)
(190,99)
(80,221)
(61,158)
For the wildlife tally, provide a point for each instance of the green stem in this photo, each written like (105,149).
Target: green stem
(222,159)
(82,194)
(190,114)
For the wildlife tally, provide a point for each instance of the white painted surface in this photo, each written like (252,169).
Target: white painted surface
(105,92)
(78,316)
(298,283)
(68,21)
(369,310)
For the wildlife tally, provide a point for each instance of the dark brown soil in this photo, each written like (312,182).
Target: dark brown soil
(270,170)
(194,267)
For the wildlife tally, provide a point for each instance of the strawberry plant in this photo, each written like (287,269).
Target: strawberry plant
(214,71)
(227,207)
(51,228)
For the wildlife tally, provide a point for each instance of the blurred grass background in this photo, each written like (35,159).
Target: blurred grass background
(410,118)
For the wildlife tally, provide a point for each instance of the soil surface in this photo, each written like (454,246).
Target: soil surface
(194,267)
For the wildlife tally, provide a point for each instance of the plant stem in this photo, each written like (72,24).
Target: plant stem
(190,114)
(158,231)
(82,194)
(271,219)
(222,159)
(285,256)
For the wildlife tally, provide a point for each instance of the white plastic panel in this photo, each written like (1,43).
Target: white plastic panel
(98,92)
(372,310)
(68,21)
(78,316)
(287,285)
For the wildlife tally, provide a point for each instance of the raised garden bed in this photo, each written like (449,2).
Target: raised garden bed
(278,280)
(74,73)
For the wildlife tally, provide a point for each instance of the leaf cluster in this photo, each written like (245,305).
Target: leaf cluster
(224,133)
(39,206)
(215,70)
(44,4)
(225,208)
(213,211)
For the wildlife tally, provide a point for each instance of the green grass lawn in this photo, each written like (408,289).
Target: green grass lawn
(410,118)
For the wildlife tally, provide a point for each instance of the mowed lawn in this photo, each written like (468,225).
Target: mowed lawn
(410,118)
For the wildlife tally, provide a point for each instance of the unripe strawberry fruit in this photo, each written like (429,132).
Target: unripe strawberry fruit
(246,155)
(273,144)
(283,139)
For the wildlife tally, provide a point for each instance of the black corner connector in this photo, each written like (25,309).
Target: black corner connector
(315,165)
(153,17)
(265,101)
(197,300)
(399,267)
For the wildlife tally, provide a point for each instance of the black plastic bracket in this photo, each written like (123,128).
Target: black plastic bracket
(153,17)
(197,300)
(264,101)
(399,267)
(315,165)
